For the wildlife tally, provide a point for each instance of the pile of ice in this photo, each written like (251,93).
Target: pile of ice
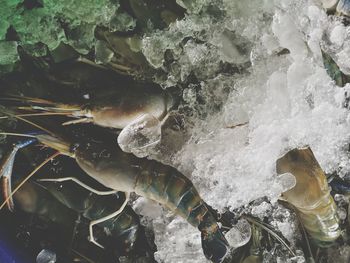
(279,100)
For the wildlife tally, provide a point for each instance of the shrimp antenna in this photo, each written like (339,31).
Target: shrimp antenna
(269,229)
(34,114)
(12,97)
(18,134)
(28,121)
(308,252)
(28,177)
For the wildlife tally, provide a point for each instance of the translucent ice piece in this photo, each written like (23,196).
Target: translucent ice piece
(240,234)
(287,181)
(46,256)
(141,135)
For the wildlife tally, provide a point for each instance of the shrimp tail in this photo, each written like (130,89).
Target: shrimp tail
(214,244)
(170,187)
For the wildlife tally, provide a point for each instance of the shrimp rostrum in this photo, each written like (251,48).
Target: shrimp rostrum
(121,171)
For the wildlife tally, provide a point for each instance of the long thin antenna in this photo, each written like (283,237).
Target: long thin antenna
(34,114)
(28,177)
(18,134)
(25,99)
(310,256)
(35,125)
(29,122)
(270,231)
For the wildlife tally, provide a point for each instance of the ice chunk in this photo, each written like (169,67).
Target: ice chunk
(287,181)
(270,42)
(177,241)
(239,234)
(342,214)
(46,256)
(261,210)
(289,36)
(147,208)
(141,135)
(338,35)
(283,183)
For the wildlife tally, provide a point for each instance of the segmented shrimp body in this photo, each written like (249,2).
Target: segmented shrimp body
(121,171)
(311,195)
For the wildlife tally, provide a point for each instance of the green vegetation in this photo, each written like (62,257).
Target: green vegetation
(34,23)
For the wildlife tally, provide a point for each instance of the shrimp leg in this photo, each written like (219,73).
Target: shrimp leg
(123,228)
(75,180)
(83,120)
(100,220)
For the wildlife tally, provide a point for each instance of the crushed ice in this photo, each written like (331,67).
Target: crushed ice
(281,101)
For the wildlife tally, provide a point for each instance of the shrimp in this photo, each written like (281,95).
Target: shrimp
(311,195)
(124,228)
(133,109)
(116,110)
(121,171)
